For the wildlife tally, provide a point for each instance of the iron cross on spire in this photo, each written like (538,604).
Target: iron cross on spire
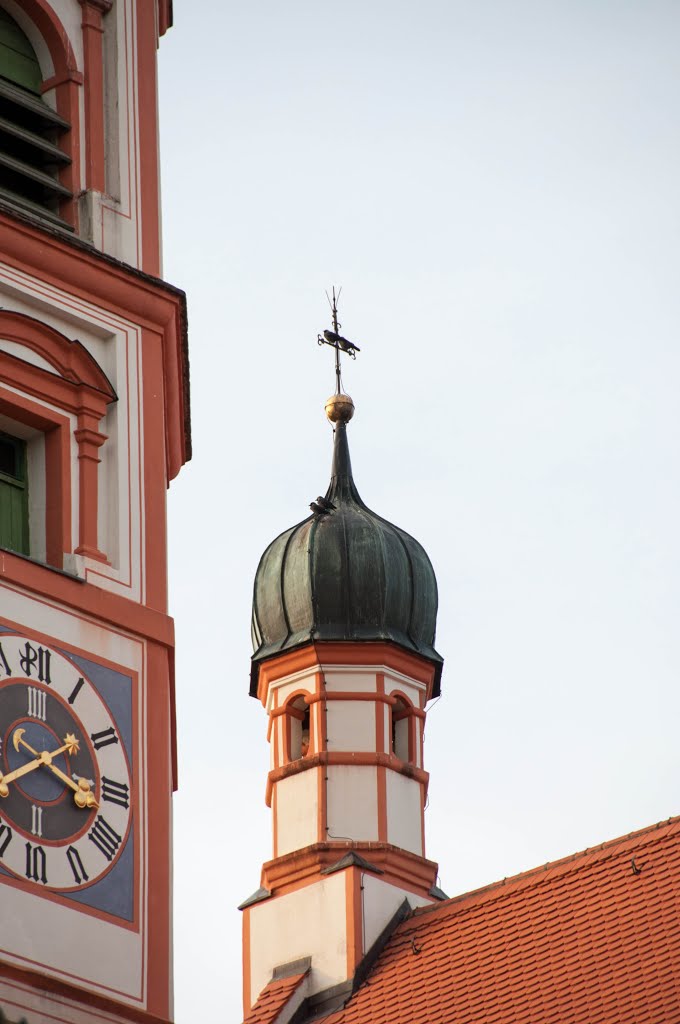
(336,341)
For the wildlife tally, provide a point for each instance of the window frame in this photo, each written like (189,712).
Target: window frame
(20,544)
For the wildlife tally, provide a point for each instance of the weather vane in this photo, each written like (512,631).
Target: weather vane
(336,341)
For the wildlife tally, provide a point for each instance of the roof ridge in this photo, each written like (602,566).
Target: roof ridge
(574,862)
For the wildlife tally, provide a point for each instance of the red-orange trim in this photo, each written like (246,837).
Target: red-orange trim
(380,747)
(333,757)
(158,746)
(354,916)
(303,867)
(92,11)
(351,695)
(92,602)
(148,206)
(247,969)
(321,747)
(146,301)
(164,16)
(348,757)
(41,982)
(326,654)
(80,388)
(68,356)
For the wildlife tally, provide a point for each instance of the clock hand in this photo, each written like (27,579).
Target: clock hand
(82,794)
(70,743)
(16,774)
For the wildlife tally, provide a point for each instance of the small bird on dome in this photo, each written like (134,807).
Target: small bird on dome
(325,503)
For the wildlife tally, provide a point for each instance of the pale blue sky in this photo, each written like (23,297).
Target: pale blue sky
(495,187)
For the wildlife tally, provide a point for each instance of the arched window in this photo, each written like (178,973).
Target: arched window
(401,727)
(31,155)
(298,725)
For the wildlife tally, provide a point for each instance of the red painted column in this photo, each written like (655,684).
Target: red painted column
(90,440)
(93,30)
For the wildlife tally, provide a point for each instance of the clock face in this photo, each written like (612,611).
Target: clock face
(65,786)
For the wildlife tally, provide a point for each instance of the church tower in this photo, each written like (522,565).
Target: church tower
(94,424)
(344,615)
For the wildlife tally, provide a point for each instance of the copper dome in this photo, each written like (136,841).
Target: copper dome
(348,575)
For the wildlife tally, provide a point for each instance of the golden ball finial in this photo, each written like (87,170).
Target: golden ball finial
(339,408)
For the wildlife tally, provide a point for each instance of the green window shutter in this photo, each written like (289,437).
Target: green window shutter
(31,156)
(18,62)
(13,495)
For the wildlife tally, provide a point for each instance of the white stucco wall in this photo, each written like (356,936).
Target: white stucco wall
(350,725)
(352,802)
(381,901)
(311,921)
(297,811)
(404,825)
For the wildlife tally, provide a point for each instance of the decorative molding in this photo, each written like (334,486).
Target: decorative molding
(303,867)
(70,358)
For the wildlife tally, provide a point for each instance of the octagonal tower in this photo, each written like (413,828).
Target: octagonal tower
(344,616)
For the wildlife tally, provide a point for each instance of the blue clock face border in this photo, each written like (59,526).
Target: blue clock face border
(114,893)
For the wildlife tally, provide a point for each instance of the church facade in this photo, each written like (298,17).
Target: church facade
(94,424)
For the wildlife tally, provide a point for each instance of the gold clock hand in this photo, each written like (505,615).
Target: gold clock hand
(82,794)
(70,743)
(30,766)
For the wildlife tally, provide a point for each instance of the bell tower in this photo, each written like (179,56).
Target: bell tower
(344,614)
(94,424)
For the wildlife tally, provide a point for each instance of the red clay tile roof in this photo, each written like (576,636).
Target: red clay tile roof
(273,998)
(593,938)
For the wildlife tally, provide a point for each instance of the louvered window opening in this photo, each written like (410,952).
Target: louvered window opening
(31,133)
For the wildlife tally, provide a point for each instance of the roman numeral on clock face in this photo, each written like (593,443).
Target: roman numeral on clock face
(36,820)
(3,662)
(79,872)
(37,703)
(5,838)
(36,660)
(104,837)
(115,792)
(103,738)
(36,867)
(76,690)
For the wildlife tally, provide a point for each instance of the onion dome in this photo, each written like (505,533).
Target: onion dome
(344,574)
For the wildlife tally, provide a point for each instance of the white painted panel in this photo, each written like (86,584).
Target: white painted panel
(387,730)
(350,725)
(297,811)
(352,802)
(404,823)
(350,678)
(97,954)
(381,902)
(308,922)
